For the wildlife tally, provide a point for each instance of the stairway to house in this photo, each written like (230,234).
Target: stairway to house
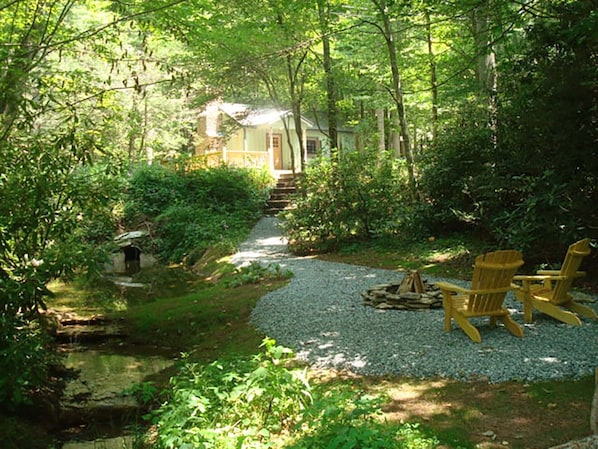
(280,196)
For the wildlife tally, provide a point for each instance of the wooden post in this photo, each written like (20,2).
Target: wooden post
(271,150)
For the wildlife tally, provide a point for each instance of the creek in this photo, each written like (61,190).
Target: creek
(99,407)
(102,405)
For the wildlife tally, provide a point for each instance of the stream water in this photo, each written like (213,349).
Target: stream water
(96,404)
(96,411)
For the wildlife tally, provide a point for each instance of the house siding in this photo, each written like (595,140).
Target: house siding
(243,140)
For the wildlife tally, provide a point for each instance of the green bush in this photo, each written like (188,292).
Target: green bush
(357,195)
(355,431)
(542,223)
(457,180)
(25,358)
(152,189)
(196,209)
(230,404)
(264,402)
(182,228)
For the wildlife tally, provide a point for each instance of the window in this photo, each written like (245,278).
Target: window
(312,146)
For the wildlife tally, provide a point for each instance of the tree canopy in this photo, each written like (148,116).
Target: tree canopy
(488,108)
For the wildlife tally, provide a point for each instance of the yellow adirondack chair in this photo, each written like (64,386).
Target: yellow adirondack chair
(492,278)
(548,290)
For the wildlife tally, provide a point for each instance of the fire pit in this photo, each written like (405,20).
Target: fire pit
(412,293)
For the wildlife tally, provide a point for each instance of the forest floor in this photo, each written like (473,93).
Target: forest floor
(462,415)
(503,415)
(466,415)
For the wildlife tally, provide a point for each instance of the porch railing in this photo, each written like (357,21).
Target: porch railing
(248,159)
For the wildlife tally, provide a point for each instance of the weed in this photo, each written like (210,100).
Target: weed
(233,403)
(146,393)
(266,401)
(255,273)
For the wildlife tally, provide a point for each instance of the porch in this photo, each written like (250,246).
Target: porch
(243,158)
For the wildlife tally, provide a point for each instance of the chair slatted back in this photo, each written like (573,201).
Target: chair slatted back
(493,271)
(575,254)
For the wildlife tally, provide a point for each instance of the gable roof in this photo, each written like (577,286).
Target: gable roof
(247,115)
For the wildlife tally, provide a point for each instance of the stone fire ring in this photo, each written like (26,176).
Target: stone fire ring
(394,296)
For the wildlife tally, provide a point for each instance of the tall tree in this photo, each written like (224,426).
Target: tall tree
(433,74)
(324,15)
(486,69)
(387,31)
(29,31)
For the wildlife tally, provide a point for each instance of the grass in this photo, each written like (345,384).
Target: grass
(448,257)
(206,323)
(209,320)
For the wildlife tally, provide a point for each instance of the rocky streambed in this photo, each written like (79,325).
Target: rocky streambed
(109,377)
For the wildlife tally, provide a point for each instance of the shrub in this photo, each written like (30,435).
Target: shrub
(264,402)
(357,195)
(183,228)
(24,359)
(234,403)
(456,179)
(543,222)
(196,209)
(152,189)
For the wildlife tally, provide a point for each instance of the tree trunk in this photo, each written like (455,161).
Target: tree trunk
(433,77)
(486,62)
(397,145)
(381,130)
(324,13)
(296,93)
(397,90)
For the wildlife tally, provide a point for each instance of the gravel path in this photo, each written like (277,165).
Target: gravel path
(320,315)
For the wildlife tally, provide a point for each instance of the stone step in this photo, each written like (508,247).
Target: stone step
(278,203)
(284,189)
(275,210)
(280,195)
(289,183)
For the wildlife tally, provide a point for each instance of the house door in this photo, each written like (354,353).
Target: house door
(276,141)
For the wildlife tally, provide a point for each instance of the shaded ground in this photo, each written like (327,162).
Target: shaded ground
(485,416)
(504,415)
(469,415)
(495,415)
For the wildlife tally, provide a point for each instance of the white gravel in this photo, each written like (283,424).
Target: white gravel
(321,316)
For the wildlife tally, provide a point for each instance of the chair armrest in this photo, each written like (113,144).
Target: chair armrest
(578,274)
(451,287)
(536,277)
(549,272)
(455,288)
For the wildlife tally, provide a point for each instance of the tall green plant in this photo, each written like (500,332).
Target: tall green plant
(458,180)
(192,210)
(232,404)
(265,402)
(25,358)
(357,195)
